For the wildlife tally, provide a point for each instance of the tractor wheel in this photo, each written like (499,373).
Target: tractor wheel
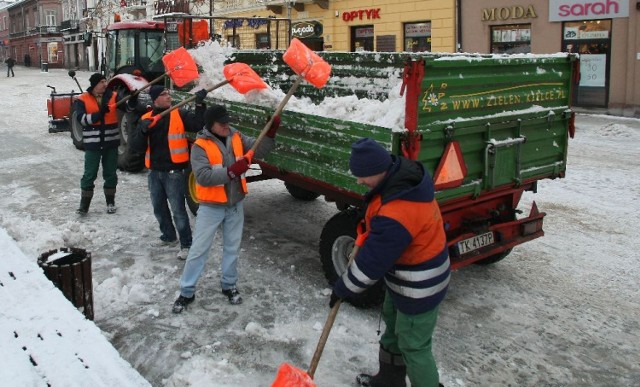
(301,193)
(336,243)
(76,129)
(493,258)
(190,190)
(128,159)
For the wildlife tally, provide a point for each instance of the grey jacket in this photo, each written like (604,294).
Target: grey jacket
(208,176)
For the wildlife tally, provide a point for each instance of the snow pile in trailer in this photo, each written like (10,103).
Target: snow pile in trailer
(388,113)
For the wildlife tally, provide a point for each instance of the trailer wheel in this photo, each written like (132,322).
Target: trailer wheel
(493,258)
(190,190)
(76,130)
(301,193)
(128,159)
(336,242)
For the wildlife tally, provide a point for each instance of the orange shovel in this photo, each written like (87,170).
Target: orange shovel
(239,75)
(309,66)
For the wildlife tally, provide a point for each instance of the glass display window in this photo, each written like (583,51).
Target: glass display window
(511,39)
(417,36)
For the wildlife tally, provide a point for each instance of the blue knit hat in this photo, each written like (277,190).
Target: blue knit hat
(368,158)
(155,91)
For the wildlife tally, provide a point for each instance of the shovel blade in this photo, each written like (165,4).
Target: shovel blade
(242,77)
(180,66)
(290,376)
(307,63)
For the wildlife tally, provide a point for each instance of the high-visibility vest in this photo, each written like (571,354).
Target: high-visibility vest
(178,144)
(91,106)
(217,194)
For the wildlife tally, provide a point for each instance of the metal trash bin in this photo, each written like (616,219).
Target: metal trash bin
(44,67)
(70,271)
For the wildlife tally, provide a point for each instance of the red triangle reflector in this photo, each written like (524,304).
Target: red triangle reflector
(452,170)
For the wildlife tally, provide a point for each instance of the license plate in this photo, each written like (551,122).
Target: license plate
(476,242)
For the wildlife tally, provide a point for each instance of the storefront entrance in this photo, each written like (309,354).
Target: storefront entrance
(592,40)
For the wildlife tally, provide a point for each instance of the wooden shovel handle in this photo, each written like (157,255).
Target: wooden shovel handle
(279,109)
(135,93)
(186,101)
(328,324)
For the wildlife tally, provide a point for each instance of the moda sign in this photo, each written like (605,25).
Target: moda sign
(563,10)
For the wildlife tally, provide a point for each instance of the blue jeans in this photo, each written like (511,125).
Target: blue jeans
(168,189)
(207,222)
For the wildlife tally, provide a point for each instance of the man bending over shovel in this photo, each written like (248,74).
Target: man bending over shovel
(406,244)
(219,163)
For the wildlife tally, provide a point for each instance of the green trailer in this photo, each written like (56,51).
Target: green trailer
(486,127)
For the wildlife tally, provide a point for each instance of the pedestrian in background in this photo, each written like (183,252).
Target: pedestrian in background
(96,112)
(167,156)
(10,62)
(406,245)
(219,165)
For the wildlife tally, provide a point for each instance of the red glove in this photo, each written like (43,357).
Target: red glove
(274,127)
(238,168)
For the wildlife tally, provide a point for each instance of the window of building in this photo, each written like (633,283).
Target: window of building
(592,40)
(511,39)
(263,41)
(362,38)
(51,17)
(417,36)
(234,40)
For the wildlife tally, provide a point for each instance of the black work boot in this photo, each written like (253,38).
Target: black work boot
(110,196)
(392,372)
(85,202)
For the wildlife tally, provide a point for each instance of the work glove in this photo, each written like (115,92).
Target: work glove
(144,125)
(104,104)
(274,127)
(238,168)
(334,298)
(200,96)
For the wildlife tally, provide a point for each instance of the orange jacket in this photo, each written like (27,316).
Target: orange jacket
(97,134)
(216,194)
(178,144)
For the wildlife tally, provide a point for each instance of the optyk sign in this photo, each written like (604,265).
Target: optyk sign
(563,10)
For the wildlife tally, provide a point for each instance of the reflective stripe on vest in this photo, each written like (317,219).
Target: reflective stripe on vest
(91,106)
(217,193)
(178,144)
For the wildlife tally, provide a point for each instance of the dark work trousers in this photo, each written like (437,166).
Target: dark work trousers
(109,158)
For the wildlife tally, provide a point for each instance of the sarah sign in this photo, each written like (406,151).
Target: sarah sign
(563,10)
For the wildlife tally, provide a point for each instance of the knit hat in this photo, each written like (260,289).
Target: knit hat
(216,113)
(368,158)
(94,79)
(155,91)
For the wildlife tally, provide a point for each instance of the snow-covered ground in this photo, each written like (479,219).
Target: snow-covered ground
(562,310)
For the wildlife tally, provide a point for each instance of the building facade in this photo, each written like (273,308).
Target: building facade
(34,33)
(606,34)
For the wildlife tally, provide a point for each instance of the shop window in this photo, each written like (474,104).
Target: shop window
(592,40)
(233,40)
(511,39)
(417,36)
(263,41)
(362,38)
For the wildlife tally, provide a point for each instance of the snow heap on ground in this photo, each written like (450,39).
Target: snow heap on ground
(44,339)
(388,113)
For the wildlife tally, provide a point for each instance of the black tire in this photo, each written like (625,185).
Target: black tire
(301,193)
(190,191)
(336,243)
(493,258)
(75,129)
(128,160)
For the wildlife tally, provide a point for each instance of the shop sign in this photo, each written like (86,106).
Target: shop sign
(417,30)
(364,32)
(361,14)
(592,69)
(507,13)
(574,33)
(563,10)
(306,29)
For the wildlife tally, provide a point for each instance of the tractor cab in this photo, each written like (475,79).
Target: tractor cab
(135,47)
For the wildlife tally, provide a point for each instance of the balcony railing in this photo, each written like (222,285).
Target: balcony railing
(162,7)
(69,25)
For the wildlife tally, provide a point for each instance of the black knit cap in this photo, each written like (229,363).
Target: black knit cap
(155,91)
(368,158)
(216,113)
(94,79)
